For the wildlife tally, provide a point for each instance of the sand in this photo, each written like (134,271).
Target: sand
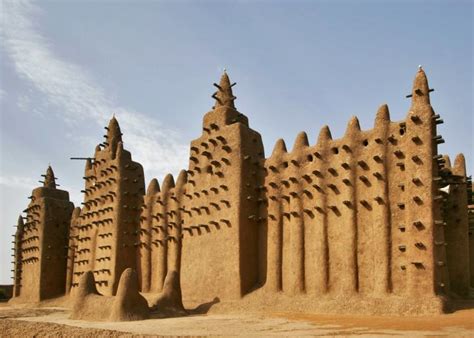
(44,322)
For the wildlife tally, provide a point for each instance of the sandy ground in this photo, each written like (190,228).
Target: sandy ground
(54,322)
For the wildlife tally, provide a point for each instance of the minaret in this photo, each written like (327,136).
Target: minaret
(225,171)
(42,251)
(224,111)
(425,263)
(110,219)
(17,263)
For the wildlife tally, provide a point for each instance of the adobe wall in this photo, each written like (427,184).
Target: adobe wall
(107,234)
(41,243)
(457,225)
(356,215)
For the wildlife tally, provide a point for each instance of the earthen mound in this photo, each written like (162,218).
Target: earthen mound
(170,301)
(127,305)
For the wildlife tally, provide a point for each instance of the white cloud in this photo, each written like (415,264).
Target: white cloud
(24,103)
(78,98)
(18,182)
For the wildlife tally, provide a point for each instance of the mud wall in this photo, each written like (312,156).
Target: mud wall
(356,215)
(456,225)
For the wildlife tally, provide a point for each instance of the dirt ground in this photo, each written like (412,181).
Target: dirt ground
(54,322)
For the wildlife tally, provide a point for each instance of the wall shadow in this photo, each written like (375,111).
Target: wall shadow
(203,308)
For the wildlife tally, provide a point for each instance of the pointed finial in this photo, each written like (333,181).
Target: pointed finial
(421,91)
(224,96)
(324,135)
(168,183)
(279,148)
(301,141)
(459,167)
(383,115)
(353,127)
(153,187)
(20,222)
(49,179)
(114,135)
(182,178)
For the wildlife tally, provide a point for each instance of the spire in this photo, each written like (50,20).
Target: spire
(153,187)
(49,179)
(19,229)
(383,115)
(20,223)
(280,147)
(301,141)
(353,126)
(114,135)
(224,96)
(421,91)
(324,135)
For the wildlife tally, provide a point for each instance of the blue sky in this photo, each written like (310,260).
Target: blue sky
(67,66)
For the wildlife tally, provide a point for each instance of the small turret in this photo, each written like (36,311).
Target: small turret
(324,135)
(182,178)
(383,115)
(168,183)
(353,127)
(224,96)
(49,179)
(153,187)
(459,167)
(301,141)
(280,147)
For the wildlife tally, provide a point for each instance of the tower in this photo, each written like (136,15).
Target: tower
(220,225)
(108,223)
(41,243)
